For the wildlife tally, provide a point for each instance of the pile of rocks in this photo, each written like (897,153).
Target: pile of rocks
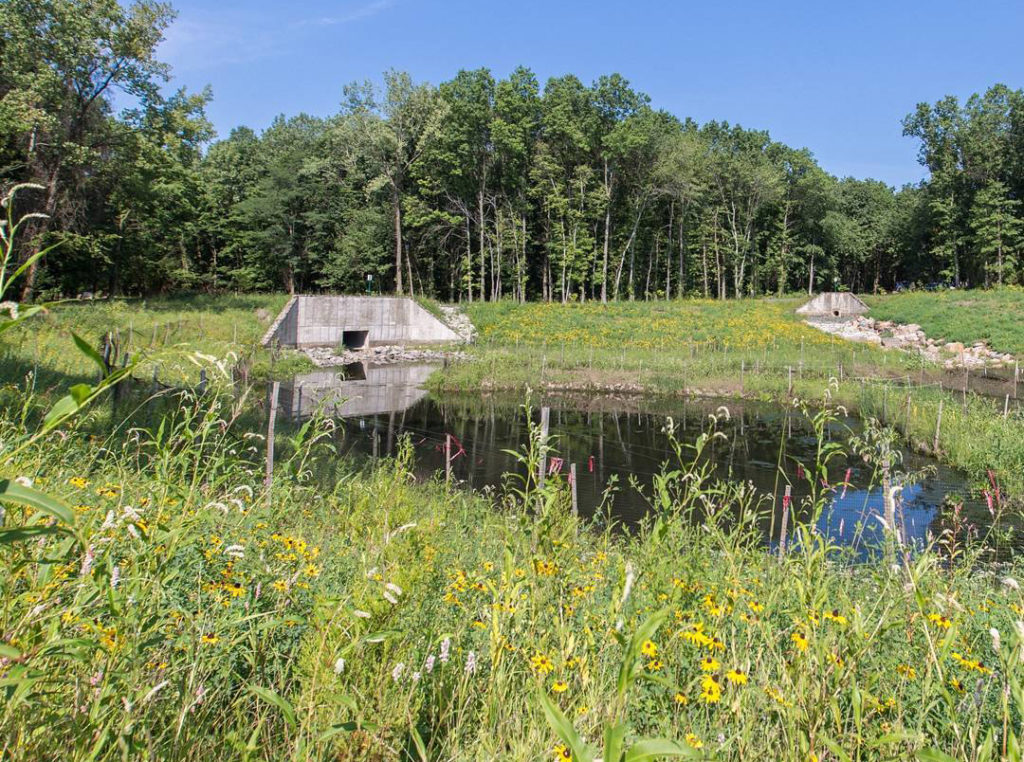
(458,322)
(910,337)
(325,357)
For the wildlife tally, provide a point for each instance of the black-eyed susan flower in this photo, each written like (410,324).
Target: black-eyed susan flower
(709,664)
(693,741)
(710,690)
(799,640)
(559,686)
(655,665)
(736,677)
(210,638)
(541,664)
(649,648)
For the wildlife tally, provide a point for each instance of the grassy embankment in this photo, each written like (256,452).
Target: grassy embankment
(749,348)
(182,613)
(176,335)
(995,316)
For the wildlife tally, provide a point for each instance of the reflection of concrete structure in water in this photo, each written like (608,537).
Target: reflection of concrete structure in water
(356,390)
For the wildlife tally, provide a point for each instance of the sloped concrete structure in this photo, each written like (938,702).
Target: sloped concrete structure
(834,304)
(356,322)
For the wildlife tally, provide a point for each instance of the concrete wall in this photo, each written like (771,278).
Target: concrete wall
(386,389)
(319,321)
(834,304)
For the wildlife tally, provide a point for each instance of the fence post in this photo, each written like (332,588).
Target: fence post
(938,427)
(447,458)
(275,390)
(1006,407)
(575,498)
(785,521)
(790,368)
(542,466)
(202,380)
(743,372)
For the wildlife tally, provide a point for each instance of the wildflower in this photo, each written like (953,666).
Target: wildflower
(470,662)
(693,741)
(428,665)
(710,690)
(939,621)
(995,638)
(835,616)
(906,671)
(311,570)
(756,607)
(681,699)
(416,676)
(655,665)
(956,685)
(716,644)
(562,753)
(210,638)
(736,677)
(446,646)
(478,624)
(281,586)
(361,614)
(115,576)
(1011,583)
(709,664)
(799,640)
(234,589)
(78,482)
(560,686)
(339,665)
(541,664)
(396,673)
(390,598)
(649,648)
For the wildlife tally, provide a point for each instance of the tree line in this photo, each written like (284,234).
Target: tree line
(478,188)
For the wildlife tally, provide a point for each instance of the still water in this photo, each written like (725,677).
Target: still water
(618,445)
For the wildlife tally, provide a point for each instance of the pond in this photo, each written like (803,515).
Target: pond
(618,445)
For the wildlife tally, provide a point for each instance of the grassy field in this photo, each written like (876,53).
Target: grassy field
(180,335)
(965,316)
(754,348)
(182,612)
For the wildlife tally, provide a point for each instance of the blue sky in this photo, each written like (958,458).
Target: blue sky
(834,77)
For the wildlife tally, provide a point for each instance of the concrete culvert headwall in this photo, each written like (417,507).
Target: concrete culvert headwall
(356,322)
(834,304)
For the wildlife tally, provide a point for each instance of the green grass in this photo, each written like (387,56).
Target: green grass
(175,336)
(963,316)
(198,617)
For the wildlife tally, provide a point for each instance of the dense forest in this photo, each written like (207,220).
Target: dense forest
(478,188)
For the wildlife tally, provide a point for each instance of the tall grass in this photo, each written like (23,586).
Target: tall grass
(195,615)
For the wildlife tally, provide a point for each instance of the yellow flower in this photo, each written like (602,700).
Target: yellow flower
(655,665)
(799,640)
(956,684)
(736,677)
(210,638)
(756,607)
(311,570)
(649,648)
(280,585)
(710,690)
(835,616)
(709,664)
(907,671)
(560,686)
(79,482)
(479,624)
(693,741)
(681,699)
(562,753)
(541,664)
(939,621)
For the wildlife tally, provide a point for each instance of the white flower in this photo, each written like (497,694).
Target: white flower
(428,666)
(86,562)
(24,481)
(154,690)
(995,638)
(339,666)
(416,677)
(1011,583)
(115,576)
(470,662)
(393,588)
(390,598)
(446,646)
(134,532)
(361,614)
(396,673)
(235,551)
